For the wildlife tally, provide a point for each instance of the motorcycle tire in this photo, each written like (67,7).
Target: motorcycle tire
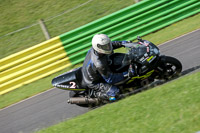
(171,66)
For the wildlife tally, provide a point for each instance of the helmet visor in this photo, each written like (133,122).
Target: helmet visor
(106,47)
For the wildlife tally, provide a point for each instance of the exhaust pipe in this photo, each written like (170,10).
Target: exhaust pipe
(83,100)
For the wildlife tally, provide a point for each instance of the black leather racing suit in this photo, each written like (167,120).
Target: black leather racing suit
(97,75)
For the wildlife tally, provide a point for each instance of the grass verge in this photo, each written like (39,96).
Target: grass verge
(170,108)
(17,14)
(165,34)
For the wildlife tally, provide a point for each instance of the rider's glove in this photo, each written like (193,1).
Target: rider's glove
(131,71)
(123,43)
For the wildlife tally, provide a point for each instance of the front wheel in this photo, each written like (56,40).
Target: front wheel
(169,67)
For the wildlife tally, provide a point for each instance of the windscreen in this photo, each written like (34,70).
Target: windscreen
(129,54)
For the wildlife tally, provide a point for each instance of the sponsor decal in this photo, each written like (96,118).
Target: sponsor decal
(145,55)
(147,49)
(141,77)
(146,43)
(142,59)
(73,85)
(147,58)
(151,59)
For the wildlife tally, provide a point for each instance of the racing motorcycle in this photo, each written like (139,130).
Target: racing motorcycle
(143,56)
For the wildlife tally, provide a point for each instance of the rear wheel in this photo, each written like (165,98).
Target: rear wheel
(169,67)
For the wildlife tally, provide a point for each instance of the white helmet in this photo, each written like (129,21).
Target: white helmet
(102,44)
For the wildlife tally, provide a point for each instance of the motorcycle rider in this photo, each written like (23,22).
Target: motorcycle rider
(96,73)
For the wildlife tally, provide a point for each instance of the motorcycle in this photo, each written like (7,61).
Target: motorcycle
(143,56)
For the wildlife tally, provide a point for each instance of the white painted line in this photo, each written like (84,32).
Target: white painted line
(26,99)
(179,37)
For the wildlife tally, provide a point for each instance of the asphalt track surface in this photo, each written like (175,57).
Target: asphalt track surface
(51,107)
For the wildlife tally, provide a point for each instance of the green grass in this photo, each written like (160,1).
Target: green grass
(170,108)
(18,14)
(44,84)
(175,30)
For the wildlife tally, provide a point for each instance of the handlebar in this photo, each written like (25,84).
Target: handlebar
(139,39)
